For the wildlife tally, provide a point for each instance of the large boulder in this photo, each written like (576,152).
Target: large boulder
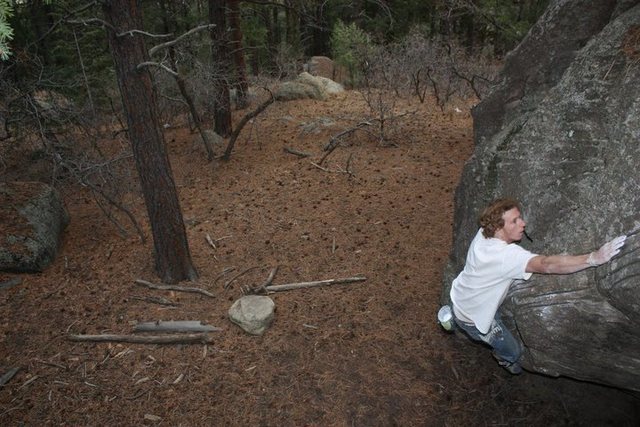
(307,86)
(322,66)
(32,218)
(562,134)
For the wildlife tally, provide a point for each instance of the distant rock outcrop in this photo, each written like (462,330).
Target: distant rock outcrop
(561,132)
(32,218)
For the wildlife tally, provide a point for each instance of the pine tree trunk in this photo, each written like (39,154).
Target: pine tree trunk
(172,257)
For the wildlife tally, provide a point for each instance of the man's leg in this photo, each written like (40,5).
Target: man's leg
(506,349)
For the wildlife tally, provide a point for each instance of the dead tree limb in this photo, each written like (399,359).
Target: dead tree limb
(289,286)
(140,339)
(337,139)
(243,122)
(174,288)
(261,288)
(174,326)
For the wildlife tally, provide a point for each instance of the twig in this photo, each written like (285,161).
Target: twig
(210,241)
(226,285)
(296,152)
(29,381)
(174,288)
(223,273)
(320,167)
(156,300)
(263,286)
(174,326)
(156,64)
(337,139)
(289,286)
(139,339)
(7,376)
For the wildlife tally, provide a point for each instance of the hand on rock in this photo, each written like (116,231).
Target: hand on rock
(606,252)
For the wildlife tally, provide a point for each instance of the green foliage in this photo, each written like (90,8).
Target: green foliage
(6,32)
(349,47)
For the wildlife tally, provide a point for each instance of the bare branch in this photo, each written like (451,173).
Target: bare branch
(157,64)
(168,44)
(144,33)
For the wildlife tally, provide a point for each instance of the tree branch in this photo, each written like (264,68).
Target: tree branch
(138,339)
(179,38)
(156,64)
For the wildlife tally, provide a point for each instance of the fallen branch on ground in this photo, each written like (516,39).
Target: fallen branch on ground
(174,288)
(174,326)
(337,139)
(10,283)
(296,152)
(7,377)
(230,281)
(140,339)
(262,287)
(289,286)
(156,300)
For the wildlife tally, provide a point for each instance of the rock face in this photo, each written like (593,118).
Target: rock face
(561,133)
(32,218)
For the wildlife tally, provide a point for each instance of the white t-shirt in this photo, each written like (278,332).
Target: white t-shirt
(491,266)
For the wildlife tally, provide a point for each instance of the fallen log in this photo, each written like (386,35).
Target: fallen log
(174,288)
(141,339)
(174,326)
(289,286)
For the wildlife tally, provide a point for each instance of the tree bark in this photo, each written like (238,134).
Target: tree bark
(221,62)
(172,257)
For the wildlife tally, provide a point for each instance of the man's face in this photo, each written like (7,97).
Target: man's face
(513,228)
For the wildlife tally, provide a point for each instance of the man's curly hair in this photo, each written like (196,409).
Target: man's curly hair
(491,218)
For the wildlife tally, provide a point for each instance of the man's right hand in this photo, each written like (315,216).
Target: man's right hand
(606,252)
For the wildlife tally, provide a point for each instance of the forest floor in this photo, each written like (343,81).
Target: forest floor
(361,354)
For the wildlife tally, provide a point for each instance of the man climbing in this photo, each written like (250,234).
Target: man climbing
(494,261)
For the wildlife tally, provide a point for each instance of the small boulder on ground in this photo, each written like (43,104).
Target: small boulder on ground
(32,218)
(253,313)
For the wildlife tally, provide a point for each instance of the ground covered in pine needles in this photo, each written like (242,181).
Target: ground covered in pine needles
(360,354)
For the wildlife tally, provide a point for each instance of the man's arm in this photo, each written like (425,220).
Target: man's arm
(566,264)
(558,264)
